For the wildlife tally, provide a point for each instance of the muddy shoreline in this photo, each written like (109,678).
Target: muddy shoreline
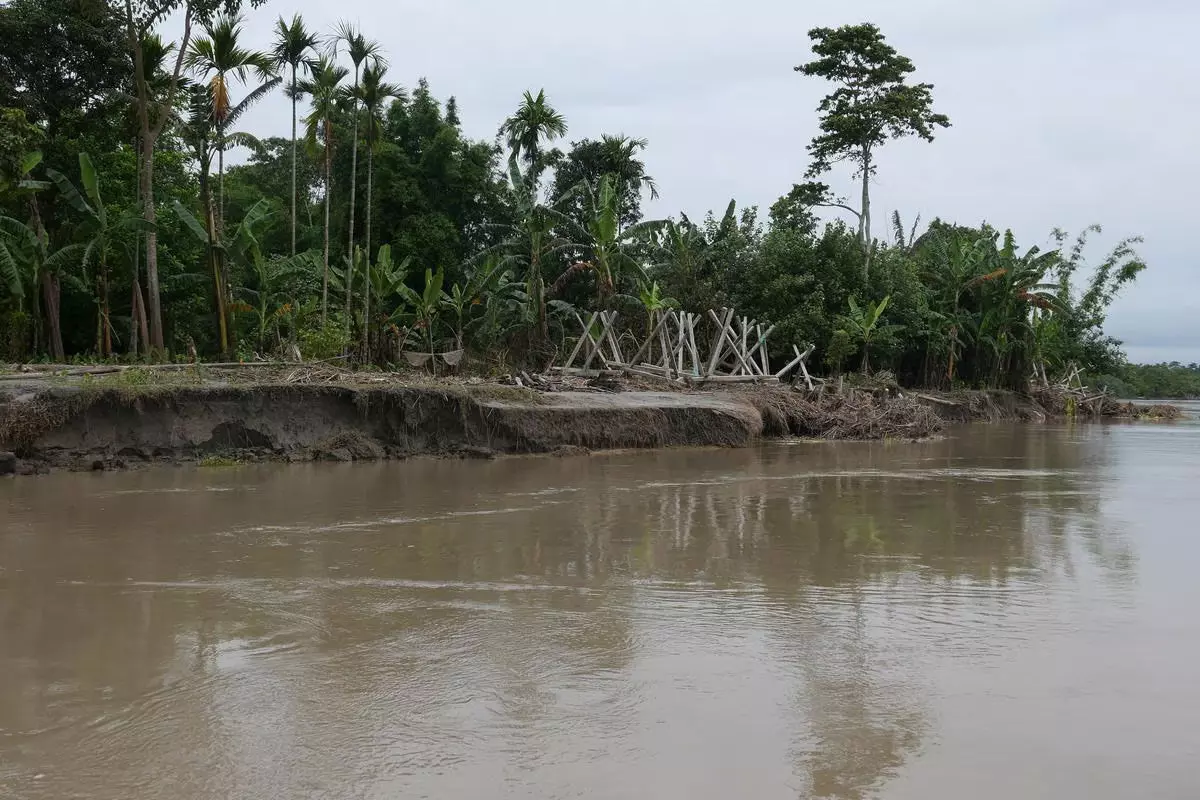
(96,426)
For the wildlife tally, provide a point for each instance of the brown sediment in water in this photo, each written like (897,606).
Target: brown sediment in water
(99,425)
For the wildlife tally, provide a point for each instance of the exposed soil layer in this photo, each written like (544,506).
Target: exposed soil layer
(96,426)
(90,428)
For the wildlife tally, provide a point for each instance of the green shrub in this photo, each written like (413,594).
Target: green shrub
(323,342)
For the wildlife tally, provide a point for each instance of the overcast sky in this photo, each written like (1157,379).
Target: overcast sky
(1065,112)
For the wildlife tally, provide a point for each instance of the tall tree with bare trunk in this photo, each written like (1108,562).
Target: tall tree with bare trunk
(871,104)
(154,110)
(362,51)
(294,47)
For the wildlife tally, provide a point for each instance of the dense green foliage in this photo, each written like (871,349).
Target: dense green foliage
(379,227)
(1174,380)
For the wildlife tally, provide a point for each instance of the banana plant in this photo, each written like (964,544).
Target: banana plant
(26,262)
(862,325)
(271,297)
(608,247)
(481,284)
(104,235)
(385,278)
(534,238)
(426,304)
(27,255)
(652,299)
(242,244)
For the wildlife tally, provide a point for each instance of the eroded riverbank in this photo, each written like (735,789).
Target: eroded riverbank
(90,424)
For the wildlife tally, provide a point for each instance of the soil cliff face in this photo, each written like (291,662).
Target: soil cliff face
(44,425)
(102,428)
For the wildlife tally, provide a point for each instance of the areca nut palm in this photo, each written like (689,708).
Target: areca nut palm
(220,56)
(361,50)
(534,122)
(294,45)
(201,134)
(373,92)
(324,88)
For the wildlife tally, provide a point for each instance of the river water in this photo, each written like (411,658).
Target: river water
(1008,612)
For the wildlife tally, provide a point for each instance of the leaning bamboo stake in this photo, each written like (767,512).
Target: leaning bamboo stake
(795,362)
(692,343)
(658,323)
(722,323)
(613,342)
(578,344)
(679,346)
(664,344)
(762,343)
(762,353)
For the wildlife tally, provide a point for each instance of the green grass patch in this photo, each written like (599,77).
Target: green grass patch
(216,462)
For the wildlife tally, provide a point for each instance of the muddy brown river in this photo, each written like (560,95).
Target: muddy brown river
(1010,612)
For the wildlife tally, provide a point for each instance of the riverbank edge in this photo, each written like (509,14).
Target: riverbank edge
(80,427)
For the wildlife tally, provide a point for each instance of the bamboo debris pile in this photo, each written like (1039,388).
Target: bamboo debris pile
(1070,397)
(850,415)
(737,350)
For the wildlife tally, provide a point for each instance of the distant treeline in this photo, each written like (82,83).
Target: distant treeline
(1173,380)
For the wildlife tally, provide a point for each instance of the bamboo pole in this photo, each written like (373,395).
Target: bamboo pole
(592,347)
(722,323)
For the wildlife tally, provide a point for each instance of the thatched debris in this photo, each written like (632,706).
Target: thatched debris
(854,415)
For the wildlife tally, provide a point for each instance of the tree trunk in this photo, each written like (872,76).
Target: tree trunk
(139,312)
(134,318)
(50,297)
(367,262)
(103,324)
(150,134)
(293,159)
(864,221)
(353,192)
(950,362)
(866,363)
(328,188)
(214,261)
(220,190)
(155,344)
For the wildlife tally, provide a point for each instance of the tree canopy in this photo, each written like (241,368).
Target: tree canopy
(380,226)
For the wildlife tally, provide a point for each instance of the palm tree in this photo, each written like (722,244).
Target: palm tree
(293,45)
(372,92)
(206,140)
(221,55)
(530,240)
(361,51)
(620,156)
(534,122)
(323,87)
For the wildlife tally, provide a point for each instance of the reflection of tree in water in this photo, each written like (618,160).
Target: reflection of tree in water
(860,549)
